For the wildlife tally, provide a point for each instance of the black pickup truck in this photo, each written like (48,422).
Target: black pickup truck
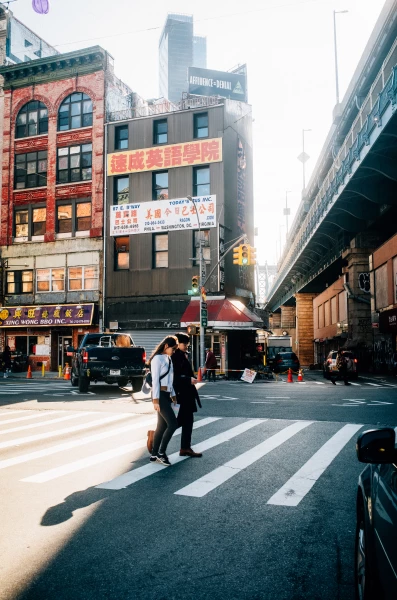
(108,357)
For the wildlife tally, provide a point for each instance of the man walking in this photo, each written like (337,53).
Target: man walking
(341,365)
(211,364)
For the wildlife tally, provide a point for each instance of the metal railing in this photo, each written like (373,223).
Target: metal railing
(383,92)
(160,108)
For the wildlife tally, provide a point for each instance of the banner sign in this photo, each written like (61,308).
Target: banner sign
(221,259)
(165,157)
(206,82)
(162,215)
(46,316)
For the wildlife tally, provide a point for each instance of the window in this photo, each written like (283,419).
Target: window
(19,282)
(205,237)
(83,278)
(201,181)
(50,280)
(30,170)
(32,119)
(73,216)
(160,131)
(121,138)
(161,250)
(121,190)
(160,185)
(200,125)
(74,112)
(121,253)
(27,44)
(30,222)
(74,163)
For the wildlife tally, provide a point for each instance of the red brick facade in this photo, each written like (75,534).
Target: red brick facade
(52,94)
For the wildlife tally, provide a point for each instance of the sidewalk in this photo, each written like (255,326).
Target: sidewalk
(35,375)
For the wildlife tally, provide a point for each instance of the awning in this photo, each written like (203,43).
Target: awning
(222,314)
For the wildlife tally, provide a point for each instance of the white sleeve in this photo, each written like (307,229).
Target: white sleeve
(155,368)
(172,391)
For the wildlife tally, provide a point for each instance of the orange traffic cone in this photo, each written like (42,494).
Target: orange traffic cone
(289,378)
(300,375)
(29,373)
(199,375)
(67,371)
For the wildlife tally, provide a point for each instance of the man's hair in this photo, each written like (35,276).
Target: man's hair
(182,338)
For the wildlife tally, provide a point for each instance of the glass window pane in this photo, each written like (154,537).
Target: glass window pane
(65,226)
(21,120)
(161,242)
(64,108)
(123,260)
(27,276)
(65,211)
(20,158)
(83,209)
(39,228)
(87,120)
(75,175)
(63,177)
(86,148)
(27,287)
(39,214)
(42,166)
(83,223)
(86,174)
(43,113)
(92,284)
(122,244)
(42,155)
(87,106)
(63,163)
(31,167)
(75,161)
(74,150)
(10,276)
(202,175)
(76,122)
(90,272)
(87,160)
(32,129)
(31,156)
(76,97)
(75,109)
(21,216)
(75,284)
(32,117)
(21,231)
(63,151)
(10,288)
(162,260)
(161,180)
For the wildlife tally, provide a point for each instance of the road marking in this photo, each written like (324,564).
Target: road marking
(9,393)
(296,488)
(319,382)
(374,384)
(43,423)
(11,412)
(137,474)
(36,416)
(378,402)
(215,478)
(50,434)
(353,383)
(389,385)
(263,402)
(95,459)
(279,397)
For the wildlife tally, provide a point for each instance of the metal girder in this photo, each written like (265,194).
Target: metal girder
(374,189)
(364,210)
(346,222)
(383,164)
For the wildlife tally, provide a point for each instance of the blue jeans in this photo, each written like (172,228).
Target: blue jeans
(166,424)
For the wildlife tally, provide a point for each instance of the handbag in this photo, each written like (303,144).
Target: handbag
(148,381)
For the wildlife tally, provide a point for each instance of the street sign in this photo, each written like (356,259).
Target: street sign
(204,305)
(204,322)
(203,271)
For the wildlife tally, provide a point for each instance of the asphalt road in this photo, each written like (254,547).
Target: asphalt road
(267,513)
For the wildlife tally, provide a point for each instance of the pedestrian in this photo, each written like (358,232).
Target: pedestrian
(186,394)
(163,395)
(341,366)
(6,361)
(211,364)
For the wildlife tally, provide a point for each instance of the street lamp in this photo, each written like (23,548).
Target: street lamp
(201,280)
(303,157)
(287,211)
(337,12)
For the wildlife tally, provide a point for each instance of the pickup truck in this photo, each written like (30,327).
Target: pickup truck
(108,357)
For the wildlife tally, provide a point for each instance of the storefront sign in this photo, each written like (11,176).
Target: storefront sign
(388,321)
(165,157)
(162,215)
(221,259)
(206,82)
(46,316)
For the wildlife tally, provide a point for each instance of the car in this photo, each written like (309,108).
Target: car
(329,365)
(284,361)
(376,516)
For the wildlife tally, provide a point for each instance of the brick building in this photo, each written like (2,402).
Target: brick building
(51,217)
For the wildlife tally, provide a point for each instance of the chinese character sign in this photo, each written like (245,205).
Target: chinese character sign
(197,152)
(46,316)
(162,215)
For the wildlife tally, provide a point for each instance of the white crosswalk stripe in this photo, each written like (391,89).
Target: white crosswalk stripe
(30,417)
(44,423)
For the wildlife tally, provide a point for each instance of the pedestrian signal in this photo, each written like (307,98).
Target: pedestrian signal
(245,255)
(252,258)
(195,284)
(191,329)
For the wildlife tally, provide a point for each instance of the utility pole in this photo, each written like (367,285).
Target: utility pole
(201,285)
(287,211)
(337,12)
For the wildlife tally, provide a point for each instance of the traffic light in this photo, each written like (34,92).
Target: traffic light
(245,255)
(237,255)
(191,329)
(195,284)
(252,258)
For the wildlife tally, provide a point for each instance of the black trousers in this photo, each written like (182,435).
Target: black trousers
(185,420)
(166,424)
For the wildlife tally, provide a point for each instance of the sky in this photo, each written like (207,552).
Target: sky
(289,51)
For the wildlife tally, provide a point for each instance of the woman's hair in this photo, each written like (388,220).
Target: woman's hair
(182,338)
(123,341)
(170,341)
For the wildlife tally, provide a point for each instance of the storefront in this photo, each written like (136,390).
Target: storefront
(385,344)
(39,335)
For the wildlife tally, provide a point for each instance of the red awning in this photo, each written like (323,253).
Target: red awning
(222,313)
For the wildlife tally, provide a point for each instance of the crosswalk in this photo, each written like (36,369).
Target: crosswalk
(56,387)
(43,451)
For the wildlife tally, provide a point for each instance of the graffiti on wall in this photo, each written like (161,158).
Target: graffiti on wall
(364,282)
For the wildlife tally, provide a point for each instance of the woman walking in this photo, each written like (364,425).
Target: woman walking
(163,396)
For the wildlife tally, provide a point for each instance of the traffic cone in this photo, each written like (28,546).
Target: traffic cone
(29,373)
(289,378)
(300,375)
(67,371)
(199,375)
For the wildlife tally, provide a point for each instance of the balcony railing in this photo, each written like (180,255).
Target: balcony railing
(160,108)
(383,92)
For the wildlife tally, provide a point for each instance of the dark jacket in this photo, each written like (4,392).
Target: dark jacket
(210,360)
(6,359)
(186,392)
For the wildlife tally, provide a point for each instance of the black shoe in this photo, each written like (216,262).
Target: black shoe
(334,383)
(163,459)
(153,458)
(347,383)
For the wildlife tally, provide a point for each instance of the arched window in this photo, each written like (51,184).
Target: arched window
(32,119)
(74,112)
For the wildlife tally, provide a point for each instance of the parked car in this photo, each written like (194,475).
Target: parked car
(329,365)
(284,361)
(376,530)
(112,358)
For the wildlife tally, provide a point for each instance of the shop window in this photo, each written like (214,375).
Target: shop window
(201,181)
(160,246)
(30,222)
(19,282)
(30,170)
(205,242)
(200,125)
(73,217)
(75,112)
(24,344)
(50,280)
(160,131)
(74,163)
(32,119)
(121,137)
(83,278)
(160,185)
(122,253)
(121,190)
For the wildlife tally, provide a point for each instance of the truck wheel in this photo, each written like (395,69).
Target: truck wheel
(74,380)
(84,384)
(122,382)
(137,383)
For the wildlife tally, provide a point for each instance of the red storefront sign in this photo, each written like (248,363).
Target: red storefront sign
(46,316)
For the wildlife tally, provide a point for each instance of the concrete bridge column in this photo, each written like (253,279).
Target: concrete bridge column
(305,328)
